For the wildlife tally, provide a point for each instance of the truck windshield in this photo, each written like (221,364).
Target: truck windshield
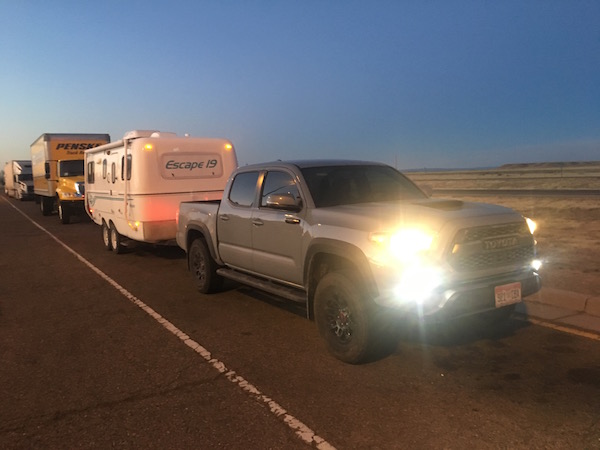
(71,168)
(25,177)
(344,185)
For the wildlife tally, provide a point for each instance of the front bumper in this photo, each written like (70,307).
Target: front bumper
(73,206)
(466,298)
(479,297)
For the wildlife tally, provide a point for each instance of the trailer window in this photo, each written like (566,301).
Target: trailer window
(104,169)
(113,170)
(128,167)
(90,173)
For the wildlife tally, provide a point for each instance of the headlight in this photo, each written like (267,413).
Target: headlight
(71,195)
(531,224)
(404,245)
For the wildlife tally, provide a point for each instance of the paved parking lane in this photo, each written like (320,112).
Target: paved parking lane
(84,363)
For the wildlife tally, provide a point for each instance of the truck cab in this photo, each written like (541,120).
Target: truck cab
(18,179)
(57,166)
(70,191)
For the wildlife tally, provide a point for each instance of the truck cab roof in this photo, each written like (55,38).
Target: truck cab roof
(307,163)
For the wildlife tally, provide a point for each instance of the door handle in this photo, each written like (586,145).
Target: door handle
(257,222)
(291,219)
(224,217)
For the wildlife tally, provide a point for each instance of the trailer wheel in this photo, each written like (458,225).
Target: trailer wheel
(115,240)
(203,267)
(63,213)
(345,317)
(106,236)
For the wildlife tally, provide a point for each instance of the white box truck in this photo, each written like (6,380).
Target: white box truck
(134,186)
(18,180)
(57,165)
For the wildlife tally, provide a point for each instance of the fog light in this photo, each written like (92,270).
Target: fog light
(418,283)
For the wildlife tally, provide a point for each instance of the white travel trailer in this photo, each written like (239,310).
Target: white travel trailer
(133,187)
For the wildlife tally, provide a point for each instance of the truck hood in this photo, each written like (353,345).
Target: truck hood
(432,214)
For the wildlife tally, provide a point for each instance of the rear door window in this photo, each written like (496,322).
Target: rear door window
(243,189)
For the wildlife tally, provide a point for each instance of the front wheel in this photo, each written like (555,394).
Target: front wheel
(63,213)
(345,318)
(46,205)
(203,268)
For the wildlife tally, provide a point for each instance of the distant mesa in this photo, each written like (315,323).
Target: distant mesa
(550,165)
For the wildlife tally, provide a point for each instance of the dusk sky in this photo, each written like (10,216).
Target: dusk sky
(415,84)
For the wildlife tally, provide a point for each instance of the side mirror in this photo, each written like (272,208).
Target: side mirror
(47,170)
(283,201)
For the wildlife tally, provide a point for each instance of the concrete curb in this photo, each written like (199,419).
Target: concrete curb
(573,301)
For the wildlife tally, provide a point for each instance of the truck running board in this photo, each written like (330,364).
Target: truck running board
(288,293)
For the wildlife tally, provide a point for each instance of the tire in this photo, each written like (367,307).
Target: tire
(46,205)
(63,214)
(203,268)
(106,236)
(345,318)
(115,240)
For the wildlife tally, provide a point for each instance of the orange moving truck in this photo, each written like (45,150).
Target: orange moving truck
(57,166)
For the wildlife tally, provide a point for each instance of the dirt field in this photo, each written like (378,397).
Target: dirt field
(568,232)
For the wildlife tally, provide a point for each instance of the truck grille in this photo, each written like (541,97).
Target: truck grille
(492,246)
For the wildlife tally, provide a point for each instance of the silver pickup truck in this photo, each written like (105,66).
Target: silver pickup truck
(356,242)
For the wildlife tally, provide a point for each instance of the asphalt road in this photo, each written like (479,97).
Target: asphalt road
(99,350)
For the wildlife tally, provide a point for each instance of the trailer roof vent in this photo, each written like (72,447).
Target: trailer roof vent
(158,134)
(139,134)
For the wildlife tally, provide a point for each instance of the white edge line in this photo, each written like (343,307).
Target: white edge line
(301,430)
(563,328)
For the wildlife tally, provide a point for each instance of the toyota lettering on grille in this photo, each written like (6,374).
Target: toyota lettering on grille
(499,243)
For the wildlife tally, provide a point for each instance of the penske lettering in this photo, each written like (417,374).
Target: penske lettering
(76,145)
(191,165)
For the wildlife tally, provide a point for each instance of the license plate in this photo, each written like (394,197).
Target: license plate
(507,294)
